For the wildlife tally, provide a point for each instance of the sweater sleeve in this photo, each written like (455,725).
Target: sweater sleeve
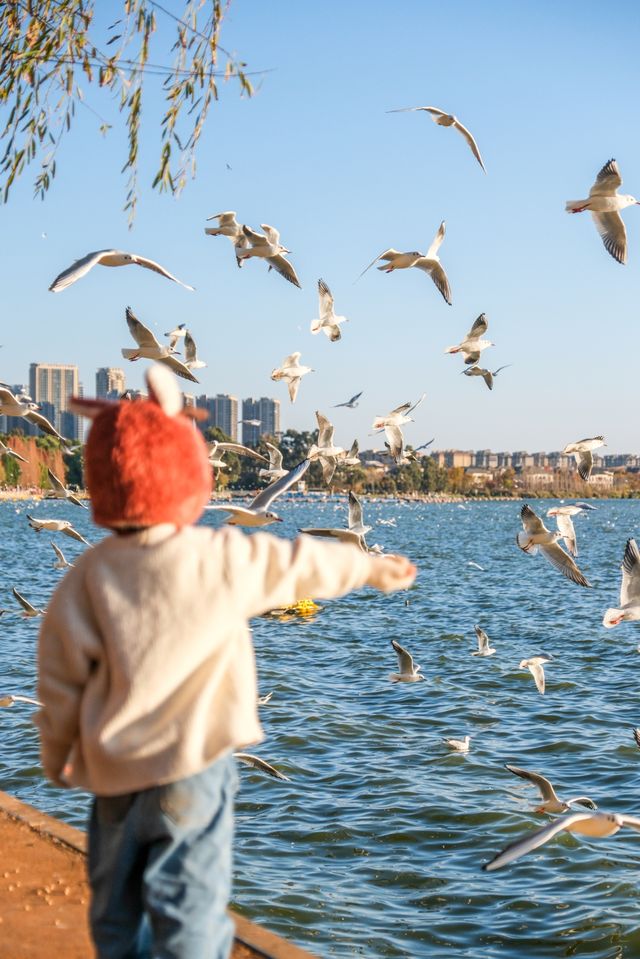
(65,660)
(266,572)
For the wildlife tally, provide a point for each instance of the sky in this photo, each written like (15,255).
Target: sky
(549,91)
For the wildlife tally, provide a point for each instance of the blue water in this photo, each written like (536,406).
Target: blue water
(375,846)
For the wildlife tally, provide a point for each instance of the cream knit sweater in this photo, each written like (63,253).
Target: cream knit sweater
(146,668)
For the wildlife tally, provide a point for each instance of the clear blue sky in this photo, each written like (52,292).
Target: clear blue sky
(550,92)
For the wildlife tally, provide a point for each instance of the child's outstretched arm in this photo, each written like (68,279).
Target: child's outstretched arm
(266,572)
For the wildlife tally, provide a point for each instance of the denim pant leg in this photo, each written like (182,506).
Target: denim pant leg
(188,829)
(116,866)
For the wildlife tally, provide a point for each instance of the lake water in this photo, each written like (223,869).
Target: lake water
(375,846)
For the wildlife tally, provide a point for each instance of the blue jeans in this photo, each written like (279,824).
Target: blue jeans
(160,869)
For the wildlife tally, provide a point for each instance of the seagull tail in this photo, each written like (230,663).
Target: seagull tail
(612,617)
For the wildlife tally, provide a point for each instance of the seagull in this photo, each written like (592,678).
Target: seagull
(472,345)
(150,349)
(351,458)
(258,513)
(355,532)
(408,672)
(292,373)
(274,470)
(460,745)
(61,562)
(424,446)
(267,246)
(324,450)
(263,700)
(484,648)
(597,825)
(9,699)
(566,528)
(395,445)
(397,417)
(227,225)
(583,452)
(256,763)
(191,360)
(216,448)
(29,610)
(629,589)
(108,258)
(329,323)
(605,205)
(352,403)
(537,536)
(60,491)
(429,262)
(535,665)
(176,334)
(487,375)
(10,405)
(447,120)
(550,800)
(7,451)
(56,526)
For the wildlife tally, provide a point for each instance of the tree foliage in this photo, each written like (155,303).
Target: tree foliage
(52,52)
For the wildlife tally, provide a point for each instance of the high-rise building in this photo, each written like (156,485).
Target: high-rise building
(109,383)
(56,383)
(223,413)
(259,418)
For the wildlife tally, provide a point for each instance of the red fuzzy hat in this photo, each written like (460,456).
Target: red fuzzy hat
(145,463)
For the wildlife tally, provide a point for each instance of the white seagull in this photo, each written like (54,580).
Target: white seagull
(429,262)
(487,375)
(596,825)
(28,610)
(149,348)
(355,532)
(61,562)
(550,800)
(191,360)
(7,451)
(583,453)
(60,491)
(227,225)
(217,450)
(537,536)
(108,258)
(275,470)
(566,528)
(176,334)
(258,512)
(472,345)
(352,403)
(267,246)
(605,205)
(291,372)
(329,322)
(535,666)
(484,644)
(408,672)
(10,405)
(263,767)
(629,610)
(56,526)
(10,699)
(397,417)
(447,120)
(324,450)
(459,745)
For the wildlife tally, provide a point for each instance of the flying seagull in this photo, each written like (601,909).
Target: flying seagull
(10,405)
(324,450)
(9,699)
(484,644)
(7,451)
(352,403)
(597,825)
(264,767)
(191,360)
(56,526)
(29,610)
(267,246)
(397,417)
(60,491)
(472,345)
(629,589)
(149,348)
(605,204)
(535,666)
(583,452)
(487,375)
(258,512)
(355,531)
(447,120)
(329,322)
(408,672)
(108,258)
(291,372)
(429,262)
(537,536)
(563,516)
(275,470)
(61,562)
(550,801)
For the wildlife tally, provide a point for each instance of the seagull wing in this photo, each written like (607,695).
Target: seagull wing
(265,497)
(328,465)
(487,376)
(325,300)
(585,464)
(546,789)
(190,352)
(7,397)
(613,232)
(58,552)
(39,420)
(344,535)
(291,360)
(152,265)
(534,839)
(275,457)
(531,522)
(77,270)
(282,266)
(242,450)
(433,110)
(416,404)
(608,180)
(478,328)
(563,562)
(630,586)
(293,385)
(385,255)
(325,431)
(256,763)
(483,639)
(471,141)
(141,333)
(227,217)
(74,534)
(632,821)
(272,235)
(396,441)
(436,243)
(437,274)
(55,482)
(256,239)
(355,511)
(26,605)
(405,659)
(537,672)
(178,368)
(566,527)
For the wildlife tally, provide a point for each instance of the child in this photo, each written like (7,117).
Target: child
(147,674)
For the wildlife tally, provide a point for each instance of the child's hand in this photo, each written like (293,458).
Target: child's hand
(391,572)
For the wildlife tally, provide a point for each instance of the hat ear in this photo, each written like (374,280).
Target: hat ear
(164,389)
(87,407)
